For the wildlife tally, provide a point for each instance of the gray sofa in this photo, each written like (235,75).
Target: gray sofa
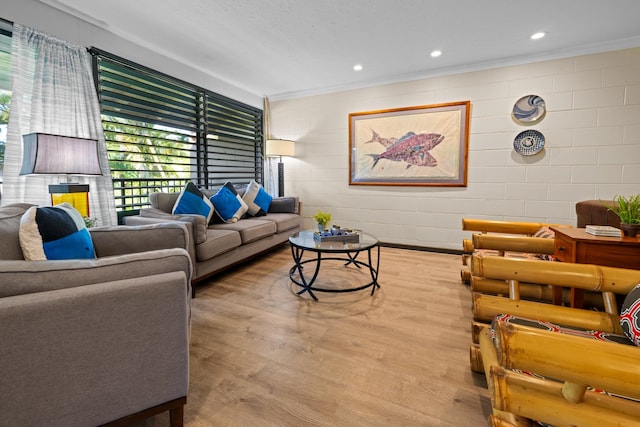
(95,341)
(217,246)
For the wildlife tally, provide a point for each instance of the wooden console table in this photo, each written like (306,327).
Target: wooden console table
(577,246)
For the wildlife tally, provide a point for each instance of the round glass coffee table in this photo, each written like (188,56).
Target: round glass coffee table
(347,252)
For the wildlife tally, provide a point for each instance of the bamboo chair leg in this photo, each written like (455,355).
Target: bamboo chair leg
(498,417)
(465,276)
(475,359)
(476,328)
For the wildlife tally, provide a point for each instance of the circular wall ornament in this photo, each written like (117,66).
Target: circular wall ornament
(528,142)
(529,110)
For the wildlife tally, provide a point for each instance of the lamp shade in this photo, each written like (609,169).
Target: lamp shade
(54,154)
(280,147)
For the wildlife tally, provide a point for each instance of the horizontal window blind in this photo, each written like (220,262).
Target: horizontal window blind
(162,132)
(233,131)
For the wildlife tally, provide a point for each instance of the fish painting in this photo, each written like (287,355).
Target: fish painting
(411,148)
(386,142)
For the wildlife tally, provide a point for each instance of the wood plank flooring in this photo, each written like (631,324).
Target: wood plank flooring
(263,356)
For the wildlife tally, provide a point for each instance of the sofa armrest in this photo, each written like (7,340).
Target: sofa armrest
(24,277)
(198,222)
(120,240)
(89,355)
(285,205)
(596,212)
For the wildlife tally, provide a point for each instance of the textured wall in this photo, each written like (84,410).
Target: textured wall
(592,150)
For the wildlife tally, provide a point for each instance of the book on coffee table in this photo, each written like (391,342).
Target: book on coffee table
(603,230)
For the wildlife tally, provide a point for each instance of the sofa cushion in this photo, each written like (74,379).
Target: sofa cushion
(217,242)
(630,315)
(192,201)
(163,201)
(228,204)
(257,199)
(54,233)
(284,221)
(250,229)
(10,216)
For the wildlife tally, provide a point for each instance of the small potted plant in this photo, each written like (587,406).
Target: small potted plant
(628,210)
(322,218)
(90,222)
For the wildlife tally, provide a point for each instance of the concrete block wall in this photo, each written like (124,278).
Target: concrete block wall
(592,149)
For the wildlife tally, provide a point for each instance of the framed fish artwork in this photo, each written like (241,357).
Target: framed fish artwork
(414,146)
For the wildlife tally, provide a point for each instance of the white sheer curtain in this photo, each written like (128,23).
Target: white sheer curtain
(270,163)
(53,92)
(271,175)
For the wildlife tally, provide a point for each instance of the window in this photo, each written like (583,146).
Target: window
(162,132)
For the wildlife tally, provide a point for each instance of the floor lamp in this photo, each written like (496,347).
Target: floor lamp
(279,148)
(62,155)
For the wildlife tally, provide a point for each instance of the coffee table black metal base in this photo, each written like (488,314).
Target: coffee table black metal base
(348,253)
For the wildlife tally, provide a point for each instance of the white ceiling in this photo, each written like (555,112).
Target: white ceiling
(288,48)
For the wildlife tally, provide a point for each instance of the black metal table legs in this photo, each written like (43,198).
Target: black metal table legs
(296,273)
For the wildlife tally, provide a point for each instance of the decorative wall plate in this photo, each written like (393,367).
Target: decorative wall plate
(528,142)
(529,110)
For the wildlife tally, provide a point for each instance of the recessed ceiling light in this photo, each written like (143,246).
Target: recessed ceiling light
(537,36)
(436,53)
(357,67)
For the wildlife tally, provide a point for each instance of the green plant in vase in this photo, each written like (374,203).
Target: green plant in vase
(322,218)
(628,210)
(90,222)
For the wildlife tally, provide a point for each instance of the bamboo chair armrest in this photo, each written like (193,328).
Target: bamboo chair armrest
(536,398)
(580,276)
(600,364)
(494,226)
(534,292)
(507,227)
(486,307)
(534,245)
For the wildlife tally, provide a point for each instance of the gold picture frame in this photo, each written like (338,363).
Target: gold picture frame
(414,146)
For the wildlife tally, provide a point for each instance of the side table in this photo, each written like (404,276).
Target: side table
(577,246)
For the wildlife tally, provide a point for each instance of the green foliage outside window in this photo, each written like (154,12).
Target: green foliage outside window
(5,102)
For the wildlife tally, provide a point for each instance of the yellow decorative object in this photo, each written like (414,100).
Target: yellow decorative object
(77,195)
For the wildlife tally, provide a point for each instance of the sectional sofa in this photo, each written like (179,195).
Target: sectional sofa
(215,247)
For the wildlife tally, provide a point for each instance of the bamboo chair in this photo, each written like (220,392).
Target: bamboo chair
(574,397)
(608,282)
(503,238)
(516,396)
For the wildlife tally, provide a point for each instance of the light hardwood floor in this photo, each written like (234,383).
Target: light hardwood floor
(263,356)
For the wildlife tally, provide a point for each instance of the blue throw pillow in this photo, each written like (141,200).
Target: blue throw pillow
(228,205)
(57,232)
(257,199)
(192,201)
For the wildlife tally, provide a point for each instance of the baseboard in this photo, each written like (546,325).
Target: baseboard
(421,248)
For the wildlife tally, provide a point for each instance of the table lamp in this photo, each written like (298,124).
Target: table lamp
(279,148)
(47,154)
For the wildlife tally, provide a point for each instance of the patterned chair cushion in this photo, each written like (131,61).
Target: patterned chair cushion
(630,315)
(553,327)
